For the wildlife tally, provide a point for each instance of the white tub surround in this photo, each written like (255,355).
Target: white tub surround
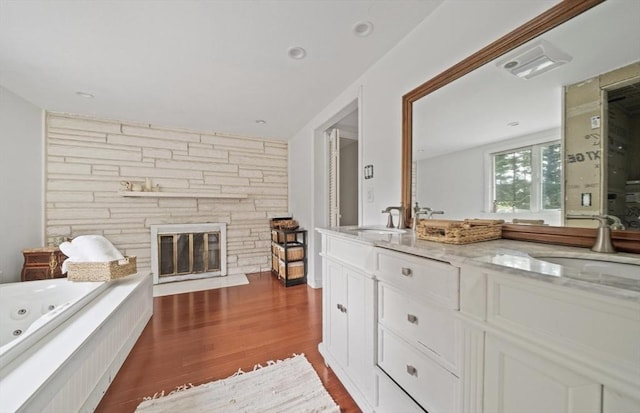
(188,251)
(71,368)
(459,330)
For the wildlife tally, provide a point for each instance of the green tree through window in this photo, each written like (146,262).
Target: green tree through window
(528,179)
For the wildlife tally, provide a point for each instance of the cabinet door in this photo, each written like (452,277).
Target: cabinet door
(517,380)
(337,331)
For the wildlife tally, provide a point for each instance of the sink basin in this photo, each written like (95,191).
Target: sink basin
(595,266)
(378,230)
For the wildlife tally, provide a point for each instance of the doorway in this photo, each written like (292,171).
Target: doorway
(342,138)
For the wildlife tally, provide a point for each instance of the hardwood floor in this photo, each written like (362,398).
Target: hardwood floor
(207,335)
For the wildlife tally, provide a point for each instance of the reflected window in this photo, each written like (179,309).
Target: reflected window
(527,179)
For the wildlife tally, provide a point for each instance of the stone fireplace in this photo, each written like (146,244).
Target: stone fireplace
(188,251)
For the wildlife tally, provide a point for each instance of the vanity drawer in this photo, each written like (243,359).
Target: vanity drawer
(349,252)
(591,327)
(429,328)
(420,277)
(428,383)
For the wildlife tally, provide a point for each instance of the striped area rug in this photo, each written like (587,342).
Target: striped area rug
(290,385)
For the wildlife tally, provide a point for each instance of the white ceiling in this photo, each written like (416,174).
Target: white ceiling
(475,110)
(216,65)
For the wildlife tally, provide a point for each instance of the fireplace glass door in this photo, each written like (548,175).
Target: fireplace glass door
(188,253)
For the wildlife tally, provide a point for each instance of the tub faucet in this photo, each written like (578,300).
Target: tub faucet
(603,240)
(400,210)
(417,211)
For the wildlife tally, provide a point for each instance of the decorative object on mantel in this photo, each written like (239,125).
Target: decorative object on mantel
(146,189)
(94,258)
(280,386)
(459,232)
(130,186)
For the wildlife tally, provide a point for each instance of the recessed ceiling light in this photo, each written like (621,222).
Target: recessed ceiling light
(296,53)
(261,121)
(363,29)
(85,95)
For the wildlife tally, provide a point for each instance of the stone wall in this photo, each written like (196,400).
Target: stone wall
(87,159)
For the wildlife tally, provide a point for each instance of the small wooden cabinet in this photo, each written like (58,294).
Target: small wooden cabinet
(42,263)
(289,255)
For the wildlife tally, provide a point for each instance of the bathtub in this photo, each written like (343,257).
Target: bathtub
(72,341)
(30,310)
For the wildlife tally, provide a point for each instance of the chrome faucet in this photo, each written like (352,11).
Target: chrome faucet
(400,210)
(417,211)
(603,240)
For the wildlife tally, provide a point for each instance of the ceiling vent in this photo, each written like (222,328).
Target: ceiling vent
(534,59)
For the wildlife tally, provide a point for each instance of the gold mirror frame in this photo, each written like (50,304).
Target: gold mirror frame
(555,16)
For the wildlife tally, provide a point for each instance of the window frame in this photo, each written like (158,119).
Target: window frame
(536,142)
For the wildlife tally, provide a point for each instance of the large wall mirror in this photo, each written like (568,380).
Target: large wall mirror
(476,136)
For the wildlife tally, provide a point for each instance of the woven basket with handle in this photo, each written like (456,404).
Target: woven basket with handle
(101,271)
(459,232)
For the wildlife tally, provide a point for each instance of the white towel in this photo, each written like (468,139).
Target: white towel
(89,248)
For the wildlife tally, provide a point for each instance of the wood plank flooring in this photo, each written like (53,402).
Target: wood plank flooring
(207,335)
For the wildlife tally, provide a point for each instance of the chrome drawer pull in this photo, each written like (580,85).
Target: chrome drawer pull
(342,308)
(412,319)
(406,271)
(412,370)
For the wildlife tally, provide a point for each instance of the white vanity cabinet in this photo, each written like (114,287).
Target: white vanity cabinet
(552,348)
(418,333)
(349,316)
(517,380)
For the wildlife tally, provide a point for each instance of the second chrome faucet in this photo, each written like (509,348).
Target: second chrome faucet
(417,211)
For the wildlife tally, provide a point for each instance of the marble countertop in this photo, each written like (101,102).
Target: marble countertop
(511,257)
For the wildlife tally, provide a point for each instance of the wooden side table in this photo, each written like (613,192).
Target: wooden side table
(42,263)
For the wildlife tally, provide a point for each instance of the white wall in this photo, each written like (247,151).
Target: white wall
(454,31)
(21,182)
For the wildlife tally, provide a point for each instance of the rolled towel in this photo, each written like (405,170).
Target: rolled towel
(89,248)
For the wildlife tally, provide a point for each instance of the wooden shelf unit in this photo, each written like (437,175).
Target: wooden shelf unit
(289,255)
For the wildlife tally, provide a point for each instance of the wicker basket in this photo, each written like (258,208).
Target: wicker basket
(294,270)
(101,271)
(284,223)
(281,237)
(459,232)
(294,253)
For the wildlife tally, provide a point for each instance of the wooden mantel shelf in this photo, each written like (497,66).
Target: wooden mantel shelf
(137,194)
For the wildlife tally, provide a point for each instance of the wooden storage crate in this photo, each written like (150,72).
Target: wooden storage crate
(294,270)
(274,263)
(101,271)
(459,232)
(294,252)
